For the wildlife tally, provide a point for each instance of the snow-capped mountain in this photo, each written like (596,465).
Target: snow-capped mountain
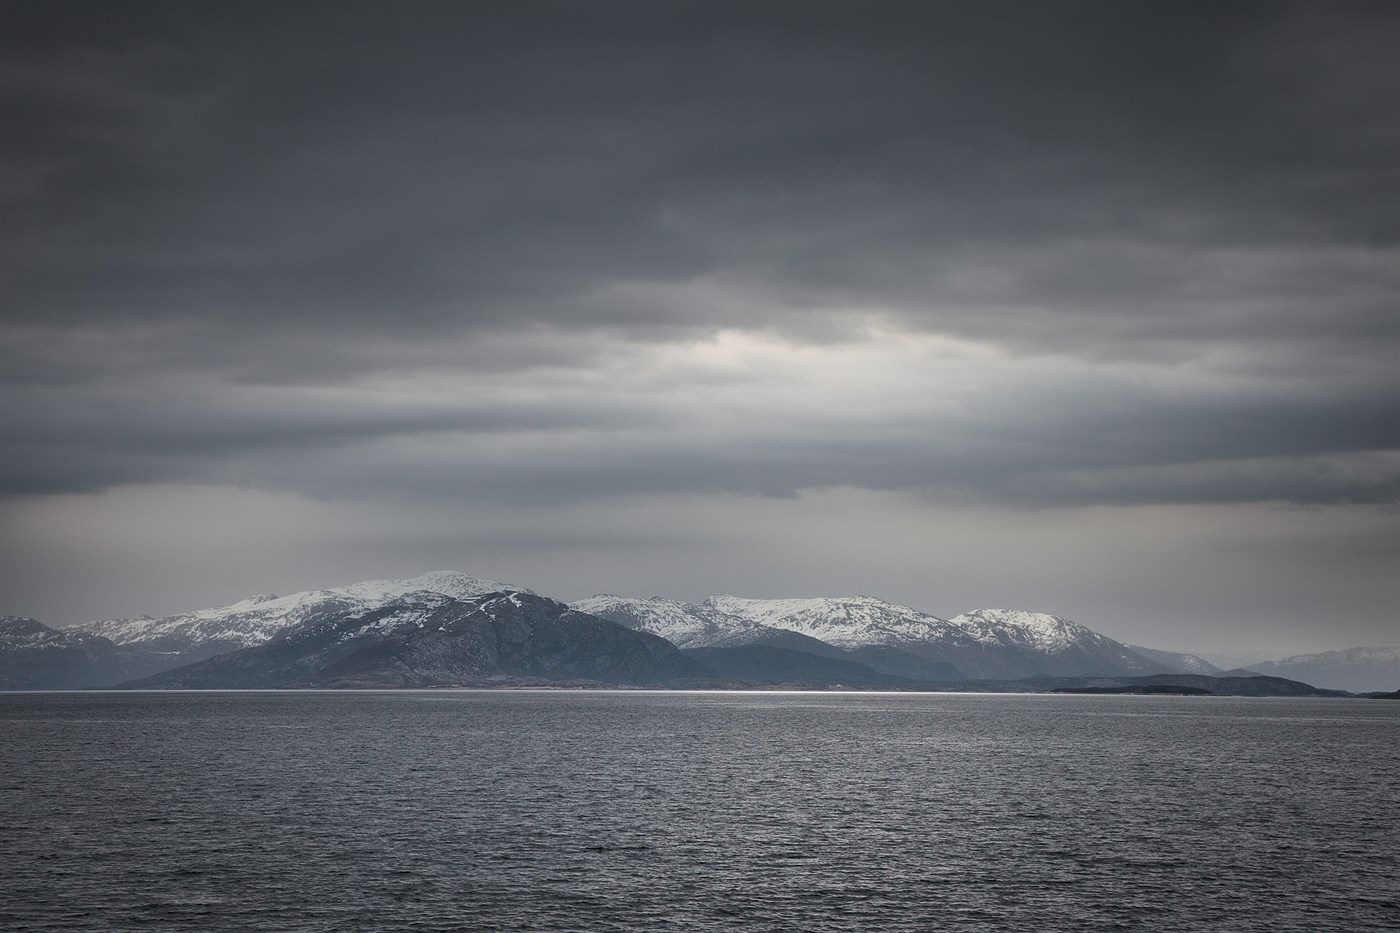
(1063,644)
(1037,630)
(196,635)
(848,622)
(701,628)
(687,625)
(1178,661)
(984,643)
(430,639)
(1356,669)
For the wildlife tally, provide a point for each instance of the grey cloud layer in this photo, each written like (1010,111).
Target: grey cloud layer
(987,429)
(243,244)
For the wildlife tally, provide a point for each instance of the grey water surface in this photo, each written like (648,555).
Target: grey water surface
(641,811)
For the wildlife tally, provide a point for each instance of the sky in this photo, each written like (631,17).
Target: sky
(1089,309)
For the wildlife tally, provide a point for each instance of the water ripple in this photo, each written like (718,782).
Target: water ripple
(545,811)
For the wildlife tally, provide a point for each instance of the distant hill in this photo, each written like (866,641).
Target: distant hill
(765,664)
(1354,669)
(1228,685)
(887,659)
(1177,661)
(34,656)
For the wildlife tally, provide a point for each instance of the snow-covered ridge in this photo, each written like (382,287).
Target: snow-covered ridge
(256,619)
(684,625)
(1038,630)
(988,643)
(1053,637)
(848,621)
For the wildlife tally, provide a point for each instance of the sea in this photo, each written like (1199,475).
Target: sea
(556,810)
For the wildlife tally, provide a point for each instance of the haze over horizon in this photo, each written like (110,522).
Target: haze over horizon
(1082,308)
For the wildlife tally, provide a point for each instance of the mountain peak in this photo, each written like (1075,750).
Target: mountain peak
(1019,617)
(1040,629)
(21,626)
(446,582)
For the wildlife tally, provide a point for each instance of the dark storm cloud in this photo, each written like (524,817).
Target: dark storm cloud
(204,201)
(424,165)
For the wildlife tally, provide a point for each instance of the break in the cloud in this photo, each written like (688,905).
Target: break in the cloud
(485,259)
(737,413)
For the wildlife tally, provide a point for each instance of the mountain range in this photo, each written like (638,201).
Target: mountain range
(892,639)
(448,628)
(194,636)
(1354,669)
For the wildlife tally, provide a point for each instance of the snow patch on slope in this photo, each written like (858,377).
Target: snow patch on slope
(1038,630)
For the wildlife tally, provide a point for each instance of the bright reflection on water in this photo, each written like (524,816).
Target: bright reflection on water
(592,811)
